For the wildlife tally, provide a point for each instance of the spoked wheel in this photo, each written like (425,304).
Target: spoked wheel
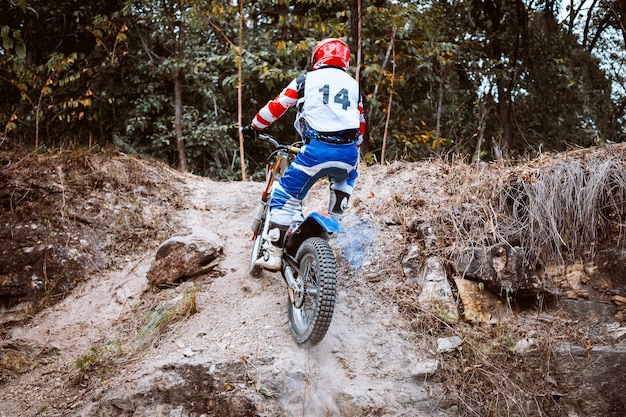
(256,253)
(312,304)
(257,245)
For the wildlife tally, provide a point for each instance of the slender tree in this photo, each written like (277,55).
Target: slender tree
(179,70)
(239,88)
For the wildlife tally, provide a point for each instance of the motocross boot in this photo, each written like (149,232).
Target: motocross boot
(338,202)
(272,258)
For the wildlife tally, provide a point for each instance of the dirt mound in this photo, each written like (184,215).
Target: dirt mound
(69,214)
(80,232)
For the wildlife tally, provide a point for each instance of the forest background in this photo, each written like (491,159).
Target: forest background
(173,79)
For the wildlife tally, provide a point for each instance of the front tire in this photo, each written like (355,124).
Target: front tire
(256,253)
(257,246)
(311,307)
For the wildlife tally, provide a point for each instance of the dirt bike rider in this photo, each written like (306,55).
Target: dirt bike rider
(331,123)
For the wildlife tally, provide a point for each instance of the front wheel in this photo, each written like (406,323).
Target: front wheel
(258,226)
(256,253)
(312,303)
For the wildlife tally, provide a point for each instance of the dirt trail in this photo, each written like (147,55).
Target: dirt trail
(91,354)
(364,366)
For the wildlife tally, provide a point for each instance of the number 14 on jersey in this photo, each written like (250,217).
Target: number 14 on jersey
(341,97)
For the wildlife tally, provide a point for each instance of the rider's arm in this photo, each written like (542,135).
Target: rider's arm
(361,124)
(277,107)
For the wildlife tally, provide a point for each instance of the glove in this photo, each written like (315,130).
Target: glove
(249,133)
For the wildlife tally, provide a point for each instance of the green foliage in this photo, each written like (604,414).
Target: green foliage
(50,75)
(102,72)
(99,357)
(86,360)
(12,42)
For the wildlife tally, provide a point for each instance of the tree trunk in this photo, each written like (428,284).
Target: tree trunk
(354,42)
(239,88)
(382,73)
(359,42)
(178,100)
(443,73)
(353,38)
(620,15)
(178,104)
(393,76)
(366,146)
(505,81)
(504,106)
(482,121)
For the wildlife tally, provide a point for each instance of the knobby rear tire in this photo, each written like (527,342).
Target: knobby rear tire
(309,322)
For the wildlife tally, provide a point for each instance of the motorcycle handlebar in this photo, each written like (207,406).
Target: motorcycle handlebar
(271,139)
(268,138)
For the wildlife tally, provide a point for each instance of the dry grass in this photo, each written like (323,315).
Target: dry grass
(566,208)
(558,208)
(164,317)
(491,379)
(488,376)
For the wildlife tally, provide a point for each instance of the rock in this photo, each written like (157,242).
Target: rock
(185,257)
(13,360)
(14,313)
(188,352)
(448,344)
(619,300)
(479,305)
(591,379)
(180,388)
(425,369)
(436,294)
(19,354)
(525,345)
(571,279)
(500,268)
(617,333)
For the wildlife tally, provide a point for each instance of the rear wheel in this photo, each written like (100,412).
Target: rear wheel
(312,304)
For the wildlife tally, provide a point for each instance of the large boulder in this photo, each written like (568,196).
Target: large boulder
(501,268)
(182,257)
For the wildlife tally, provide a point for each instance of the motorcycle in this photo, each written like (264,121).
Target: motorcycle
(308,267)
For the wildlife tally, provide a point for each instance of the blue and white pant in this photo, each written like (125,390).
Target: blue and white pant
(315,160)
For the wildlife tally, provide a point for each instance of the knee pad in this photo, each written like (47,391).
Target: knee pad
(338,202)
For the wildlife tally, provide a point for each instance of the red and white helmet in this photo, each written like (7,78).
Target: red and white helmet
(331,52)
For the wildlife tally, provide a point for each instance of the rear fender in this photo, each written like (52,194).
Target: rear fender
(320,224)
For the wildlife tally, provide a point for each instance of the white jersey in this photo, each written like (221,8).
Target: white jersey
(331,101)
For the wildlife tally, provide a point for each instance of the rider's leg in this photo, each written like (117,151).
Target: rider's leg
(314,161)
(338,202)
(340,191)
(284,209)
(272,257)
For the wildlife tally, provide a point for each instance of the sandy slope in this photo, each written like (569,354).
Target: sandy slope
(364,366)
(88,355)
